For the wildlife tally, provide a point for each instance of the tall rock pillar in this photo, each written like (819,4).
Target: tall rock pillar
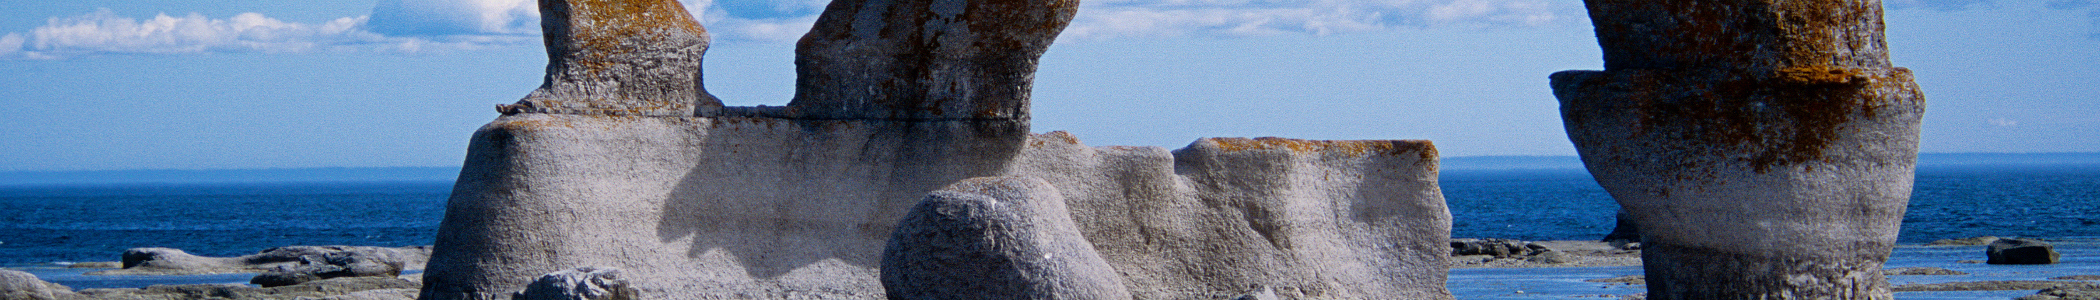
(924,59)
(620,57)
(1764,147)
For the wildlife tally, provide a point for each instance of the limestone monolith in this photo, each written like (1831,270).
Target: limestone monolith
(1764,148)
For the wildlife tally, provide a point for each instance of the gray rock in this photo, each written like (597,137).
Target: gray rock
(1624,231)
(1974,241)
(2078,277)
(1995,285)
(1550,257)
(924,59)
(1499,248)
(25,286)
(1626,280)
(96,265)
(627,57)
(2019,251)
(349,288)
(1765,147)
(896,99)
(1921,271)
(166,261)
(995,238)
(347,263)
(587,283)
(2065,293)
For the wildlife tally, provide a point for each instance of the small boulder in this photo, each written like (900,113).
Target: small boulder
(1499,248)
(2019,251)
(586,283)
(1550,257)
(22,285)
(995,238)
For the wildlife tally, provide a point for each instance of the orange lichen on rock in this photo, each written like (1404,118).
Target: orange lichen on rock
(1353,147)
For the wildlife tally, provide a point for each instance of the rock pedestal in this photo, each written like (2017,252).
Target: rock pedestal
(1764,148)
(606,166)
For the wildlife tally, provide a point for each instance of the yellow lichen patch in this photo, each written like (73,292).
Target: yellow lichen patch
(1053,136)
(1817,75)
(1355,147)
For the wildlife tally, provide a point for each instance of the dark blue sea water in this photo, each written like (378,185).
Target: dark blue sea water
(73,223)
(55,223)
(42,224)
(1946,202)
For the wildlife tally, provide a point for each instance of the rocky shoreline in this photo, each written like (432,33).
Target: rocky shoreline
(390,284)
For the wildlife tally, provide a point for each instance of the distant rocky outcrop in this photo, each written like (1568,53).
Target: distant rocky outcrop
(896,99)
(1974,241)
(168,261)
(17,285)
(354,262)
(1766,148)
(2019,251)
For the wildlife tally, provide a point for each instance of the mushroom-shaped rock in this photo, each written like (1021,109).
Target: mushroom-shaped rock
(620,57)
(1764,148)
(995,238)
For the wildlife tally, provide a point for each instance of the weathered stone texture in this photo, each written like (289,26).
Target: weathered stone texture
(711,208)
(924,59)
(620,57)
(603,167)
(1764,148)
(995,238)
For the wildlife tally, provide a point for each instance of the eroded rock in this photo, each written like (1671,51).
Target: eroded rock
(1764,148)
(587,283)
(25,286)
(620,57)
(995,238)
(2019,251)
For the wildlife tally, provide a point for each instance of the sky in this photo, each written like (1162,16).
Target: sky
(231,84)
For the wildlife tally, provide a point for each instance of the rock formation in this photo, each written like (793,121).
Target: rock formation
(587,283)
(620,57)
(169,261)
(367,262)
(1764,148)
(896,100)
(995,238)
(25,286)
(2019,251)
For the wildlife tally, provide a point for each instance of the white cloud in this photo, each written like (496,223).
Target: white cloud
(456,17)
(439,25)
(11,44)
(2003,122)
(1139,18)
(105,32)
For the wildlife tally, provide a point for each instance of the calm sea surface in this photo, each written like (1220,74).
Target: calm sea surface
(42,224)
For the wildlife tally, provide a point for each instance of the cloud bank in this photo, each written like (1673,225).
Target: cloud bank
(440,25)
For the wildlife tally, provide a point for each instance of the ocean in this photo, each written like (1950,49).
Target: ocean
(49,223)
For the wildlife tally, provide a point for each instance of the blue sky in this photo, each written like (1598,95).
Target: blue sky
(185,84)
